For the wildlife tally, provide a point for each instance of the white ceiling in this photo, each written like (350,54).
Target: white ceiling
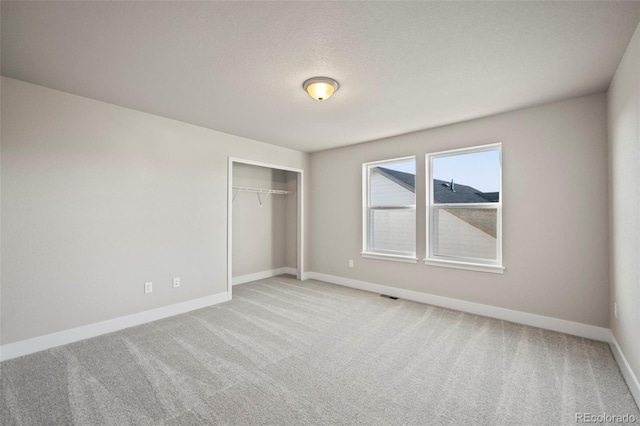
(238,67)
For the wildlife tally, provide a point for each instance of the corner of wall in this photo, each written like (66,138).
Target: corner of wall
(623,128)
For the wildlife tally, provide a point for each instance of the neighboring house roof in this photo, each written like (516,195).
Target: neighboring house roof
(442,193)
(406,180)
(482,219)
(442,190)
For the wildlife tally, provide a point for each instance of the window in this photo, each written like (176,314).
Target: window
(389,209)
(465,209)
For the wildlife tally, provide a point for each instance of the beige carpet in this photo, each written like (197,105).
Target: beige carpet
(290,353)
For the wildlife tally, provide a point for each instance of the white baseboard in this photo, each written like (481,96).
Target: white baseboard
(569,327)
(37,344)
(41,343)
(262,275)
(625,368)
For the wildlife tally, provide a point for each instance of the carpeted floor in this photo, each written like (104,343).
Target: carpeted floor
(287,353)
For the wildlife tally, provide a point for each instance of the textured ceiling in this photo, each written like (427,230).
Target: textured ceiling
(238,67)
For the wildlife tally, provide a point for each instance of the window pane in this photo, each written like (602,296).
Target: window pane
(393,184)
(465,232)
(467,178)
(393,230)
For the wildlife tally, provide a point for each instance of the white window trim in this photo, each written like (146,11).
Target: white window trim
(455,262)
(391,257)
(365,215)
(480,267)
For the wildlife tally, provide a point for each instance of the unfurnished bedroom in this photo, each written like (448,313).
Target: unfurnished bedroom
(319,213)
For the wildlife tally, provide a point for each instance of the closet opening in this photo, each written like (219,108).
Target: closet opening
(264,221)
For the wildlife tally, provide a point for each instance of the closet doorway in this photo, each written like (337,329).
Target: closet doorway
(264,221)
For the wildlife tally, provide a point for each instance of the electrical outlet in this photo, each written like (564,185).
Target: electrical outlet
(176,282)
(615,310)
(148,287)
(350,263)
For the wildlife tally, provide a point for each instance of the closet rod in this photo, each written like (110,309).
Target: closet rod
(262,190)
(259,191)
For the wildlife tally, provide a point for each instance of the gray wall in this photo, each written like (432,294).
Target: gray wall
(263,236)
(624,164)
(555,212)
(97,199)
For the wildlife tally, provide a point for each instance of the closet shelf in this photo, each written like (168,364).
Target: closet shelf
(259,191)
(262,190)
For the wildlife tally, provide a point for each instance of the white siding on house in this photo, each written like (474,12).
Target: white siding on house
(385,192)
(391,230)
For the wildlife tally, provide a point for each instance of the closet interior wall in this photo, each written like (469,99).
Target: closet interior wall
(264,225)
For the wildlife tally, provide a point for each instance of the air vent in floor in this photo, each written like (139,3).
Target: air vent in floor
(388,297)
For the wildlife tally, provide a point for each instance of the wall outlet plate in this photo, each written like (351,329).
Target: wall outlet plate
(148,287)
(615,310)
(176,282)
(350,263)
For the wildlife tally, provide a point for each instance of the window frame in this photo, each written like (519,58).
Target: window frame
(481,265)
(366,209)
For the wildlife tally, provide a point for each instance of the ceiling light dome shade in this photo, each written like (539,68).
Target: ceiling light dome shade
(320,88)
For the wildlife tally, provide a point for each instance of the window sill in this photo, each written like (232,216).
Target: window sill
(391,257)
(494,269)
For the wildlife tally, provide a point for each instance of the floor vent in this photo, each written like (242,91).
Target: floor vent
(388,297)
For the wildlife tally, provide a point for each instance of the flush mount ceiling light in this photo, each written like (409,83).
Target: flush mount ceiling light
(320,88)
